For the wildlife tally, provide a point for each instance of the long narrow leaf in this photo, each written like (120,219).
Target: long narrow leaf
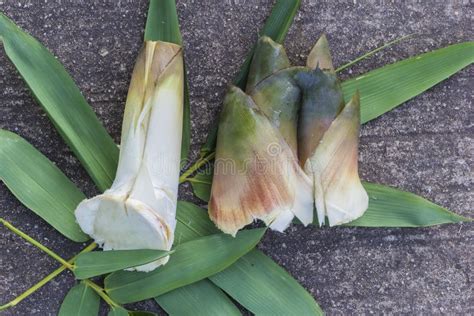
(385,88)
(201,184)
(200,298)
(40,185)
(80,300)
(389,207)
(194,223)
(63,102)
(162,22)
(268,288)
(96,263)
(191,262)
(253,289)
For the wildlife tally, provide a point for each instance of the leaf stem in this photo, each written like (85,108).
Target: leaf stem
(36,243)
(65,265)
(201,162)
(395,41)
(101,292)
(45,280)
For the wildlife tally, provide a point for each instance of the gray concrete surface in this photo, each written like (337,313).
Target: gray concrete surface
(425,146)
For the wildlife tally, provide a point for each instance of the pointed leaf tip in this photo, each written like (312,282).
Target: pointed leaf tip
(268,58)
(320,55)
(62,100)
(80,300)
(387,87)
(391,207)
(208,255)
(40,185)
(162,22)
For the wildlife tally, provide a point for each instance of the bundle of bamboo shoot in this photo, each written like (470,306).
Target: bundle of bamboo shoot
(287,145)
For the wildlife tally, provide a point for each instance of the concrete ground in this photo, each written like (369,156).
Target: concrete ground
(426,146)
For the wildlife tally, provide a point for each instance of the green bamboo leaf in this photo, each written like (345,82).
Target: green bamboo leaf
(389,207)
(117,311)
(201,184)
(278,23)
(268,288)
(96,263)
(193,222)
(63,102)
(162,25)
(81,300)
(40,185)
(191,262)
(200,298)
(253,289)
(385,88)
(276,27)
(162,22)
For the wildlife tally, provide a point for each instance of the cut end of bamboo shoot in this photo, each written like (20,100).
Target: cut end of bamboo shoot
(118,224)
